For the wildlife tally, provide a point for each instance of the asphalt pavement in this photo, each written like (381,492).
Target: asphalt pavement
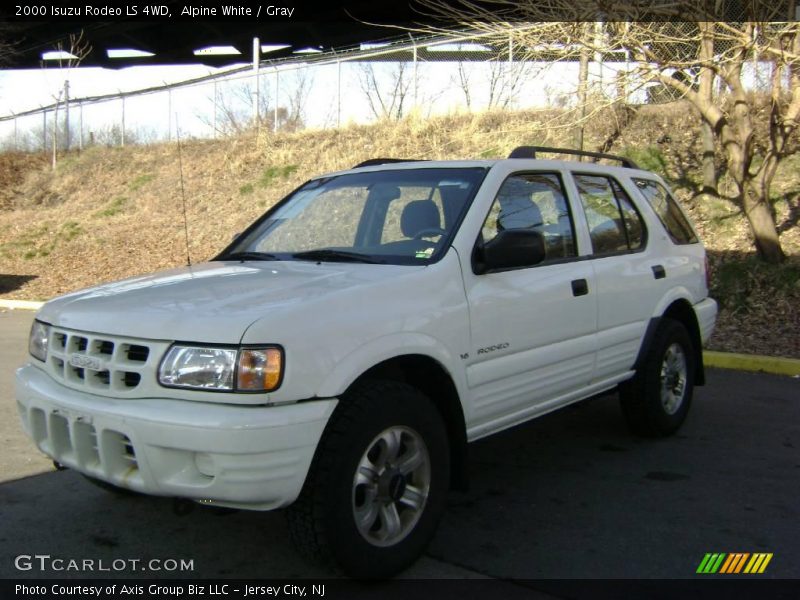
(571,495)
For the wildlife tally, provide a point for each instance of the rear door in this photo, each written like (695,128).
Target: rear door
(630,276)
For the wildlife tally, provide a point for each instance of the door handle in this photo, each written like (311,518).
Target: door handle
(580,287)
(659,272)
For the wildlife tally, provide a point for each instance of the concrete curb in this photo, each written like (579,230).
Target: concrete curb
(21,304)
(752,362)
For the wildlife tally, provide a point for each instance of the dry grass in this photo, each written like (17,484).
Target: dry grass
(109,213)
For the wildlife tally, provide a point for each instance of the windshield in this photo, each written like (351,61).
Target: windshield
(405,216)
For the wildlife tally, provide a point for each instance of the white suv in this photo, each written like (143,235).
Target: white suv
(340,354)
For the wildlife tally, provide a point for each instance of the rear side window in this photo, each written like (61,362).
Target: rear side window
(668,211)
(614,224)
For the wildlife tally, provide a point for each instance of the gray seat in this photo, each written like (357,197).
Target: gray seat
(518,212)
(418,216)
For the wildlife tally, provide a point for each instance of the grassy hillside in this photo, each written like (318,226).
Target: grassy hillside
(108,213)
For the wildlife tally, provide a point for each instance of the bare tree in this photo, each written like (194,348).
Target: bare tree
(464,81)
(386,100)
(77,49)
(503,78)
(233,105)
(504,82)
(700,58)
(721,52)
(301,86)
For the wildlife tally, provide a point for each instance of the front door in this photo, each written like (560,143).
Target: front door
(533,328)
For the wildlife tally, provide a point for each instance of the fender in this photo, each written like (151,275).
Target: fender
(674,295)
(383,348)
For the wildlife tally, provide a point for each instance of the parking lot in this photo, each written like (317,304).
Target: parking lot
(570,495)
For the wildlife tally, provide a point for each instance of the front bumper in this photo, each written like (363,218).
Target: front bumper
(243,457)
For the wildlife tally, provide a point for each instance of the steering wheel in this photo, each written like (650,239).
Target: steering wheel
(429,231)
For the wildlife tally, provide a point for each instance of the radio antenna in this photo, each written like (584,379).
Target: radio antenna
(183,193)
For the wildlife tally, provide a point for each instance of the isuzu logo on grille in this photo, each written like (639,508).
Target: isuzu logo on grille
(85,362)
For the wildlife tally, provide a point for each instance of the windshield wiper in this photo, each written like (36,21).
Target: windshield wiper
(331,255)
(250,256)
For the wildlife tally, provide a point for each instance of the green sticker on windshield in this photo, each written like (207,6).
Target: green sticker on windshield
(424,253)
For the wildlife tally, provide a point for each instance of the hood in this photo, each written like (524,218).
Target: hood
(210,302)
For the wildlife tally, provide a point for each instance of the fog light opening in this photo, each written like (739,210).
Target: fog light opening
(205,464)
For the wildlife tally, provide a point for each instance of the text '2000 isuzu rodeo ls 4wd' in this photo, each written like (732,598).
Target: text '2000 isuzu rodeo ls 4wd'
(340,354)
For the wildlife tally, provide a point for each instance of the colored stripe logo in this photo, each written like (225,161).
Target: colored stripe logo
(734,563)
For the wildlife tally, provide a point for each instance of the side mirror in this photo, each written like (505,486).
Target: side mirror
(236,236)
(510,249)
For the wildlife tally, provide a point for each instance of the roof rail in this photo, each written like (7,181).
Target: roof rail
(383,161)
(530,152)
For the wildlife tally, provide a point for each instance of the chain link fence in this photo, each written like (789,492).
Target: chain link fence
(424,76)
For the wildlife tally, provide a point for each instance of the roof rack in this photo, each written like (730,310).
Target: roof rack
(530,152)
(383,161)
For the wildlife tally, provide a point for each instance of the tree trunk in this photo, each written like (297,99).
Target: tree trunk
(709,168)
(762,225)
(583,89)
(706,96)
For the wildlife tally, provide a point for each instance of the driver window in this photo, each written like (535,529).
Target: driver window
(534,201)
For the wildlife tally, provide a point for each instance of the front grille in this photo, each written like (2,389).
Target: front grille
(99,363)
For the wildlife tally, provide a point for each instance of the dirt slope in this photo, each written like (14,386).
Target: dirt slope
(109,213)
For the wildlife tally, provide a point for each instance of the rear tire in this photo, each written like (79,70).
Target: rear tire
(656,401)
(377,486)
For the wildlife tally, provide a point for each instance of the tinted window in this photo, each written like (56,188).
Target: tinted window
(534,201)
(614,223)
(399,216)
(668,211)
(634,228)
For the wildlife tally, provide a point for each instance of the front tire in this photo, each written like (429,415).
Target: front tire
(377,486)
(656,401)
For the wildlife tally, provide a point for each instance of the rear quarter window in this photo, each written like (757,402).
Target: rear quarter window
(668,211)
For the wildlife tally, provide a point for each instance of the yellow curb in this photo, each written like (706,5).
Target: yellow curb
(752,362)
(21,304)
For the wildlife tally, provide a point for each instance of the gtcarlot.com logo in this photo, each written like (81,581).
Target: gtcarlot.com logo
(734,563)
(45,562)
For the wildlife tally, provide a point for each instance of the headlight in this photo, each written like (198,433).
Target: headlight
(37,343)
(222,369)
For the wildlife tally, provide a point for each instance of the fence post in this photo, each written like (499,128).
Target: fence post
(416,87)
(80,119)
(122,133)
(339,93)
(44,130)
(169,114)
(214,121)
(55,132)
(15,132)
(277,83)
(256,61)
(66,116)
